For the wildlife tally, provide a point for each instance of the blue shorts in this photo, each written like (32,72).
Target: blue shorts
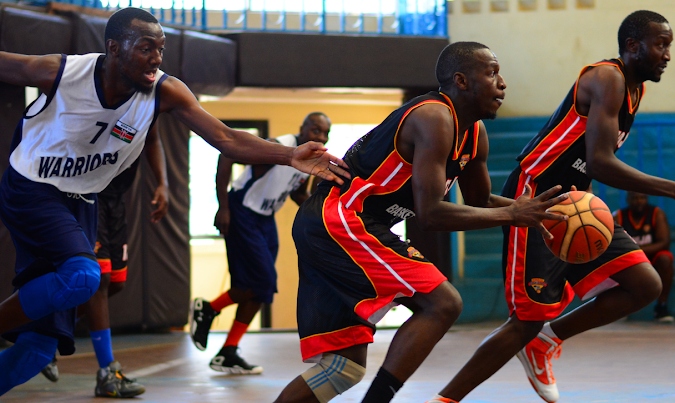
(252,246)
(47,227)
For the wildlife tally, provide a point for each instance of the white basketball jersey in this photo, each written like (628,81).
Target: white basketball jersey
(269,192)
(72,139)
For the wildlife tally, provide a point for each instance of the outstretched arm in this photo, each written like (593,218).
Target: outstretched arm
(428,132)
(602,91)
(29,71)
(154,152)
(310,157)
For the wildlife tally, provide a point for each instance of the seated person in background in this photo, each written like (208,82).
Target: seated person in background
(648,226)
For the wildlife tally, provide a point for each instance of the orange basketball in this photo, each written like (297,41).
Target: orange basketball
(588,231)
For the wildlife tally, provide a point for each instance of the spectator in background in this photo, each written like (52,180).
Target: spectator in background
(648,226)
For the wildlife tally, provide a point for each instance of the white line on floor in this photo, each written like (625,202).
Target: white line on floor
(153,369)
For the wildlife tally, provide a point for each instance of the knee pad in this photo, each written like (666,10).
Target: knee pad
(332,376)
(73,283)
(25,359)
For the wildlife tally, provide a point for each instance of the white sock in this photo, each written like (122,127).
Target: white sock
(548,331)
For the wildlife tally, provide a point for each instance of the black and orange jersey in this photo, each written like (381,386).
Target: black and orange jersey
(557,155)
(641,230)
(381,179)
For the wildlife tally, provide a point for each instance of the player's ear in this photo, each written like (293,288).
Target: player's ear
(112,47)
(460,80)
(632,45)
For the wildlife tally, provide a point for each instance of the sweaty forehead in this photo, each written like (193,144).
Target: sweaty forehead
(145,30)
(485,57)
(660,29)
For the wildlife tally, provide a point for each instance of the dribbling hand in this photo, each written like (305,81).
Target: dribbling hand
(529,211)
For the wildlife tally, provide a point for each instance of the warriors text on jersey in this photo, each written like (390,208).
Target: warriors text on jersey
(557,155)
(268,193)
(72,139)
(381,185)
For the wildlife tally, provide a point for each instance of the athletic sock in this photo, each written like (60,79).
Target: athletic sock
(548,331)
(236,333)
(221,302)
(102,343)
(383,388)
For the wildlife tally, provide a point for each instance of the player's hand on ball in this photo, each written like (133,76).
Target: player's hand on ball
(530,212)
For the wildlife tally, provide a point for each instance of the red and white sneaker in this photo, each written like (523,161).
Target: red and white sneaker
(536,359)
(441,399)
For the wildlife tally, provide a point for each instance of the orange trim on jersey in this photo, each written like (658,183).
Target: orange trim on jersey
(476,134)
(118,276)
(638,225)
(392,173)
(608,269)
(554,144)
(106,265)
(314,345)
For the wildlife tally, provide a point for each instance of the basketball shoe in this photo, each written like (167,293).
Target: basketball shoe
(661,314)
(536,359)
(228,361)
(110,382)
(51,371)
(201,318)
(441,399)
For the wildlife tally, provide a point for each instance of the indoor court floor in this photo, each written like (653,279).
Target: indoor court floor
(622,362)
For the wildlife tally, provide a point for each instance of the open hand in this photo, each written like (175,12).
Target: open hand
(313,159)
(529,211)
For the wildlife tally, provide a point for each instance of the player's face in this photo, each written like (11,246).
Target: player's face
(637,202)
(654,53)
(316,129)
(488,85)
(141,54)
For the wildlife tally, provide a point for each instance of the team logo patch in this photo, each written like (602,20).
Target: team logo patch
(647,228)
(123,131)
(538,284)
(412,252)
(463,161)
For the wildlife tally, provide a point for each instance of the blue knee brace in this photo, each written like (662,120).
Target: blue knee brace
(73,283)
(25,359)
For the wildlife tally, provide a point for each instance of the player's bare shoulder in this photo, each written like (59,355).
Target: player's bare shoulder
(604,83)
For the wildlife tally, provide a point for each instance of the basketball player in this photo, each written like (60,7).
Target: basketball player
(353,268)
(88,125)
(111,254)
(245,218)
(575,146)
(648,226)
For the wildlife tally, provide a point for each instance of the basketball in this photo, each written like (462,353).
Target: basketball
(586,234)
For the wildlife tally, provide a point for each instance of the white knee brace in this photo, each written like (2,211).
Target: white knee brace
(332,376)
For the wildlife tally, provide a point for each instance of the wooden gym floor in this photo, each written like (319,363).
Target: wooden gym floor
(623,362)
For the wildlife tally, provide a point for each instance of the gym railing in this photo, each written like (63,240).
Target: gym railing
(353,17)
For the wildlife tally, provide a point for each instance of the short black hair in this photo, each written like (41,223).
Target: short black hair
(120,21)
(456,57)
(636,26)
(309,119)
